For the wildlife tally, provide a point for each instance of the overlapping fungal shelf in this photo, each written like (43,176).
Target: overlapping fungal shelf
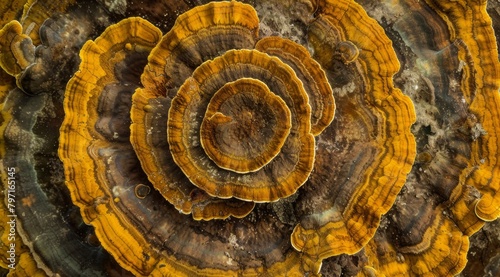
(253,138)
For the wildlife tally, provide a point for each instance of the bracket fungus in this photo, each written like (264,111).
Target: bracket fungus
(285,172)
(17,48)
(451,191)
(264,138)
(241,116)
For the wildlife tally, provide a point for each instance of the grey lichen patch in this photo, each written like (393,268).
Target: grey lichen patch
(284,210)
(344,90)
(277,18)
(477,131)
(116,6)
(383,11)
(421,91)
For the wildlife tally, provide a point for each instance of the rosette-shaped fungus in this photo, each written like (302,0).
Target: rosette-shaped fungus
(226,119)
(242,127)
(213,146)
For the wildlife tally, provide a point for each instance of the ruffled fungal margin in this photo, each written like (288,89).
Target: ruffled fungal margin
(189,89)
(187,45)
(441,251)
(93,101)
(19,38)
(17,50)
(184,47)
(285,172)
(481,82)
(382,113)
(36,12)
(244,127)
(29,60)
(310,73)
(26,265)
(46,217)
(453,188)
(146,234)
(141,192)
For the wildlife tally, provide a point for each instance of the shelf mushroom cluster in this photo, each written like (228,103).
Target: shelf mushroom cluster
(216,145)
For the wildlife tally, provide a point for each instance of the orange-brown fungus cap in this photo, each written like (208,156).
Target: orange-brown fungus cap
(16,48)
(347,51)
(209,208)
(94,137)
(441,251)
(200,34)
(245,126)
(310,73)
(146,234)
(375,154)
(453,188)
(469,22)
(161,136)
(9,9)
(279,178)
(36,12)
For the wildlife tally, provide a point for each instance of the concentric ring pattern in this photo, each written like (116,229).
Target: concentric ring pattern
(255,138)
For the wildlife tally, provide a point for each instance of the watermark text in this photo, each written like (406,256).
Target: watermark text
(12,217)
